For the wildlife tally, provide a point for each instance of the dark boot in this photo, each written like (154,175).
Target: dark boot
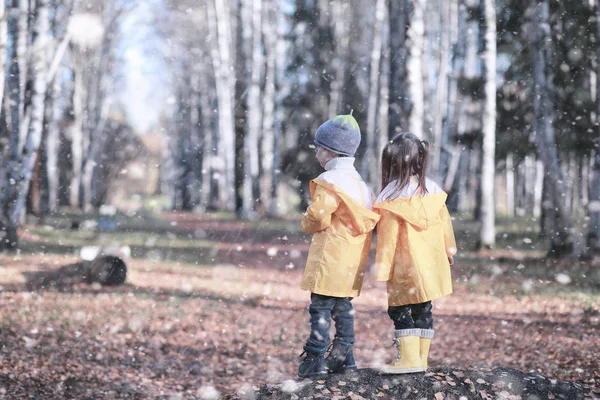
(340,358)
(313,366)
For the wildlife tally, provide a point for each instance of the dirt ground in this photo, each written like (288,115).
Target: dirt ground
(236,318)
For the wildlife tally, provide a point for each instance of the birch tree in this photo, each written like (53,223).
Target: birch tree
(488,168)
(253,25)
(371,158)
(416,33)
(26,128)
(274,93)
(219,20)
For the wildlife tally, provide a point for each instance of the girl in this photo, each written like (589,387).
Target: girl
(414,250)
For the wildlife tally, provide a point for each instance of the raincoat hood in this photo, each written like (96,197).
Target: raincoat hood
(422,212)
(342,230)
(357,218)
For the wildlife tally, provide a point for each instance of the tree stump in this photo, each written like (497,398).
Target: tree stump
(107,270)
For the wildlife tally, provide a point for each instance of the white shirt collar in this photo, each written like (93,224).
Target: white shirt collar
(340,163)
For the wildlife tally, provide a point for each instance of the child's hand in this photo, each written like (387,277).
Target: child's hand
(451,260)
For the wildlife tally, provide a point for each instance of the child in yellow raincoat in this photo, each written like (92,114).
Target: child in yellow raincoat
(415,248)
(341,221)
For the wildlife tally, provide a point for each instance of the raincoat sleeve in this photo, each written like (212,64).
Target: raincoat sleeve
(387,238)
(318,214)
(449,240)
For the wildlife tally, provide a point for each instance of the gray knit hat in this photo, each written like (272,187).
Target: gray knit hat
(340,135)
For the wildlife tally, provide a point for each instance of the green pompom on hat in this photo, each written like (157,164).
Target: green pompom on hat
(340,135)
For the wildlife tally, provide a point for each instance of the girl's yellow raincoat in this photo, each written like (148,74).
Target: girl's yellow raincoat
(414,240)
(341,242)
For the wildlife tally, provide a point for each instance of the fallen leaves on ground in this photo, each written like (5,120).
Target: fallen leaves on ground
(201,331)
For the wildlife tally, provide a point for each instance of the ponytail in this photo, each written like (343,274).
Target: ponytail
(422,164)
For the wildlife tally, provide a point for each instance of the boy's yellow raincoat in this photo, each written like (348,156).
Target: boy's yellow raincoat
(414,240)
(341,242)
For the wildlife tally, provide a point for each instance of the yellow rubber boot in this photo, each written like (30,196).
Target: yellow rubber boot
(409,358)
(426,336)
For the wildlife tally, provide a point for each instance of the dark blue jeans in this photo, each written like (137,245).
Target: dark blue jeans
(322,310)
(412,316)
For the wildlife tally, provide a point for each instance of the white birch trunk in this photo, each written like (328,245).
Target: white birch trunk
(538,188)
(21,45)
(416,33)
(251,140)
(76,135)
(280,55)
(510,185)
(371,159)
(225,83)
(447,34)
(53,146)
(9,164)
(488,170)
(584,168)
(270,40)
(39,65)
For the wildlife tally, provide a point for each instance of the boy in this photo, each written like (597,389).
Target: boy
(341,220)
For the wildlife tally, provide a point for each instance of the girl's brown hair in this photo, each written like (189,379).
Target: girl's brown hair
(404,156)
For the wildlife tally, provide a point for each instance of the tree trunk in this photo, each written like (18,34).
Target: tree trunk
(488,168)
(3,43)
(510,185)
(279,116)
(371,158)
(225,84)
(400,14)
(271,40)
(383,120)
(338,10)
(594,193)
(538,189)
(11,165)
(251,140)
(449,128)
(447,43)
(75,131)
(22,158)
(561,240)
(51,141)
(416,33)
